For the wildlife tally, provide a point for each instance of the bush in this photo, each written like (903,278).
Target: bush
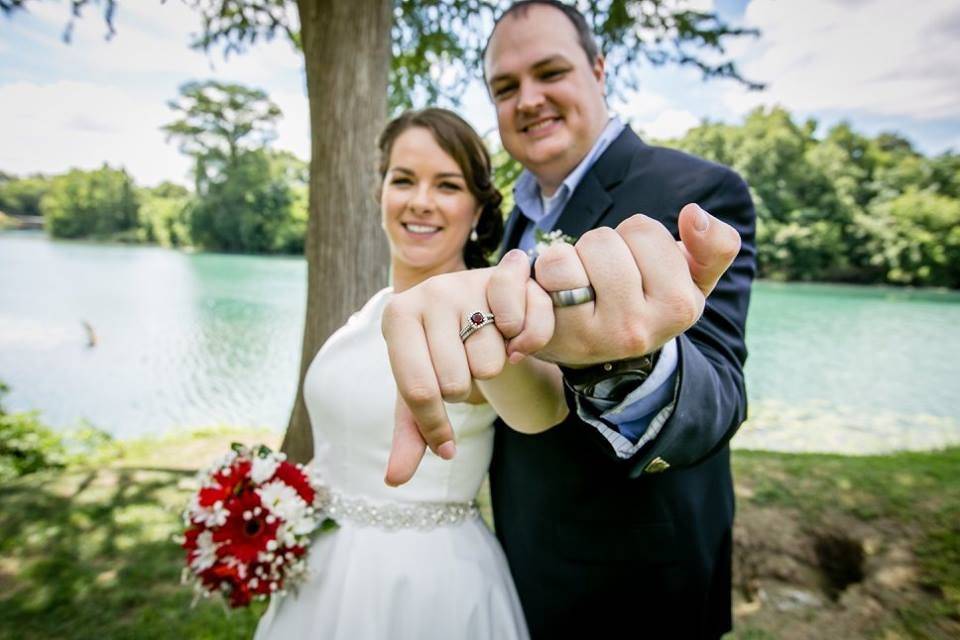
(26,446)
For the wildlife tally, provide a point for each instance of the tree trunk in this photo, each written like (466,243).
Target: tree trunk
(346,47)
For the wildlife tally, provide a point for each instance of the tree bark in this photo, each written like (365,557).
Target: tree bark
(346,47)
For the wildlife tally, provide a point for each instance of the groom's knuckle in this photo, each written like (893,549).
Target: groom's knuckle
(634,338)
(598,239)
(683,306)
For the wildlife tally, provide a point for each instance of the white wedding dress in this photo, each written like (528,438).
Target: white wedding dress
(410,562)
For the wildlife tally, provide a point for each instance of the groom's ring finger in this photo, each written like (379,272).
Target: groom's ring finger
(573,297)
(559,270)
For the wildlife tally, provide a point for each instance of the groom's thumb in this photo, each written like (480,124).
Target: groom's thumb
(709,244)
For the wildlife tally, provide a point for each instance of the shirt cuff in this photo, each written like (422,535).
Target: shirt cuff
(646,400)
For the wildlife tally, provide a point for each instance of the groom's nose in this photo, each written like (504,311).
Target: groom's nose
(530,98)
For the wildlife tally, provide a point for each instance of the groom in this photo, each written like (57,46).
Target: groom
(617,522)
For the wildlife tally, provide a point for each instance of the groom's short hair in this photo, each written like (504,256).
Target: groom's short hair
(584,33)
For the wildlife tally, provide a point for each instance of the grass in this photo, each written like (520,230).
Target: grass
(87,552)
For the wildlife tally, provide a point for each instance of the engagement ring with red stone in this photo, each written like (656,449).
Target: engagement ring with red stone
(475,321)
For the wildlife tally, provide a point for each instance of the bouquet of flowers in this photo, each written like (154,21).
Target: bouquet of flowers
(248,527)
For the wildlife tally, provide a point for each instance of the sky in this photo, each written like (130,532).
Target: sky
(882,65)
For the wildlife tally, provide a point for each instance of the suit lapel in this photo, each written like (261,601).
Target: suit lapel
(591,199)
(589,202)
(513,231)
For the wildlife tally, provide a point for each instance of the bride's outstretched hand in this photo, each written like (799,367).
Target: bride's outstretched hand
(433,362)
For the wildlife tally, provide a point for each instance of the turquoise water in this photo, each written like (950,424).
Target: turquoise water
(202,339)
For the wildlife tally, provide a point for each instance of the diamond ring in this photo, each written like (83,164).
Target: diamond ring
(475,321)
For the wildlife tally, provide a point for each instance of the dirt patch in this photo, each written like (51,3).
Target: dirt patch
(795,578)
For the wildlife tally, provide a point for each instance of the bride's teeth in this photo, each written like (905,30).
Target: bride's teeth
(416,228)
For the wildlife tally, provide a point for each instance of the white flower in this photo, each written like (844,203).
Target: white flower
(263,468)
(213,516)
(206,553)
(282,500)
(546,239)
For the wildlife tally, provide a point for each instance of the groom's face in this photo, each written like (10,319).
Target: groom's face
(549,97)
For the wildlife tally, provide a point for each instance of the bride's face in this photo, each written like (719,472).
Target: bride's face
(427,210)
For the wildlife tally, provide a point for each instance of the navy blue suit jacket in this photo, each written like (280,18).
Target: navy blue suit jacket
(609,546)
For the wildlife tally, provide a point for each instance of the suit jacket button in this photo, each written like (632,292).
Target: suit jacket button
(657,465)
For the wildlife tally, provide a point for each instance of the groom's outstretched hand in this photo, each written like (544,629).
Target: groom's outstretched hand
(649,287)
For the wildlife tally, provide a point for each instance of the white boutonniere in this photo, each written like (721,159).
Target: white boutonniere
(546,239)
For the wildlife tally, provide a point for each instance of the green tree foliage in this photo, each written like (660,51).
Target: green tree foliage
(915,238)
(256,204)
(164,215)
(22,196)
(248,198)
(26,445)
(841,206)
(219,122)
(101,203)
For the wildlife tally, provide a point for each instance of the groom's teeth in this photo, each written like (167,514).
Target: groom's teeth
(540,125)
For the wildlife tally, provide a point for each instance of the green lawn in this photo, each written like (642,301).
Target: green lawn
(87,552)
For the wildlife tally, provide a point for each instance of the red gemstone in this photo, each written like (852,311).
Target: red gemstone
(477,318)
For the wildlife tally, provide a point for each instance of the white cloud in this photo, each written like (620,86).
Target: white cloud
(878,57)
(670,123)
(104,101)
(654,115)
(53,127)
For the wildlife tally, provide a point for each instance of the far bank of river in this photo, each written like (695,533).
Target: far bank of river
(201,339)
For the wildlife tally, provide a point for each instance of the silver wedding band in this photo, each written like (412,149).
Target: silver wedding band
(571,297)
(475,321)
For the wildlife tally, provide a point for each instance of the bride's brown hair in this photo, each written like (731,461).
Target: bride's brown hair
(464,145)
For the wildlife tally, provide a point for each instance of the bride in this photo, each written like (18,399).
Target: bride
(414,561)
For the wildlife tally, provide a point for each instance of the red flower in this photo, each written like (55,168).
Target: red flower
(243,538)
(234,481)
(222,573)
(190,538)
(297,479)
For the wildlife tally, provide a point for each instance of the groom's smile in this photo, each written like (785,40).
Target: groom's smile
(548,95)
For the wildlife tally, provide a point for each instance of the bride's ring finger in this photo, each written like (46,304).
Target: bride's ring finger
(448,356)
(484,345)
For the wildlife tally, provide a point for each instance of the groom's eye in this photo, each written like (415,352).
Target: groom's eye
(551,74)
(503,90)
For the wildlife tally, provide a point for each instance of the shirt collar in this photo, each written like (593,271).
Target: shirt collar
(526,191)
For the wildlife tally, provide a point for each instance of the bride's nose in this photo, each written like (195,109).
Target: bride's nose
(421,202)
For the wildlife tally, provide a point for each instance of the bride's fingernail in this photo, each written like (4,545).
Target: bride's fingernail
(447,450)
(517,356)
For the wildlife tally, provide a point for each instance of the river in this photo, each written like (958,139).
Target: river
(197,339)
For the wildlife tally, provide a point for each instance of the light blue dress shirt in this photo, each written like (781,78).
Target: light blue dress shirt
(638,418)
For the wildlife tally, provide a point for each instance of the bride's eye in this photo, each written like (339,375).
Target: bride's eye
(401,181)
(450,186)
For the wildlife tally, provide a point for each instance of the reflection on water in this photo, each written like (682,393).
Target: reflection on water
(181,339)
(205,339)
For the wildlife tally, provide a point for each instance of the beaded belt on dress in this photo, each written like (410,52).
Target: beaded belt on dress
(398,515)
